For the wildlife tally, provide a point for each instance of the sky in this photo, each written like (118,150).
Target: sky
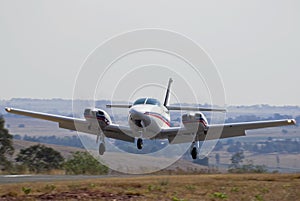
(255,44)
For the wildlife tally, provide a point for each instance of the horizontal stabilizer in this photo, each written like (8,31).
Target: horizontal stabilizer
(195,109)
(118,106)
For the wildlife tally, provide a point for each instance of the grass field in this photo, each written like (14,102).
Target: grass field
(184,187)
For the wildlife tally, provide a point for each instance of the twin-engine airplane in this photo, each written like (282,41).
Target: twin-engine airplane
(149,119)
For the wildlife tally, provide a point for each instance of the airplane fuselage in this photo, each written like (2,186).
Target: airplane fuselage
(147,117)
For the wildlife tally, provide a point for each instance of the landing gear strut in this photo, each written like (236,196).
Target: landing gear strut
(139,143)
(205,130)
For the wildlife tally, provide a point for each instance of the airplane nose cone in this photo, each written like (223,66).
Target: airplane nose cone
(138,117)
(134,114)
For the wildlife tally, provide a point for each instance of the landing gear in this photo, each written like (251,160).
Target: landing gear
(194,153)
(101,148)
(100,137)
(139,143)
(194,150)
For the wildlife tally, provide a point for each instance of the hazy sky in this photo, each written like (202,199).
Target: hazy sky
(255,44)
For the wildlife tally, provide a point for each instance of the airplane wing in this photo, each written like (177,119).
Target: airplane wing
(178,135)
(195,109)
(91,127)
(175,135)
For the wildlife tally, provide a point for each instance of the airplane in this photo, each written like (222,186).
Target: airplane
(149,119)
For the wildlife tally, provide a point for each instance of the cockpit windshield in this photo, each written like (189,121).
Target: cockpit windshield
(152,101)
(139,101)
(148,101)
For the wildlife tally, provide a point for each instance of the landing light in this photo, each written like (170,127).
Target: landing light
(8,109)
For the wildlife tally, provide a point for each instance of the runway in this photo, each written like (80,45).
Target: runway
(6,179)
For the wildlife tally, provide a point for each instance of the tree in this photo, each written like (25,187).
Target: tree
(39,158)
(6,145)
(236,165)
(84,163)
(236,161)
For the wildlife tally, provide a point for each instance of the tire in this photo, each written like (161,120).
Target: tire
(139,143)
(194,153)
(101,148)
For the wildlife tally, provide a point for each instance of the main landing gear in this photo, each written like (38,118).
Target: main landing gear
(194,150)
(101,148)
(139,143)
(100,137)
(194,153)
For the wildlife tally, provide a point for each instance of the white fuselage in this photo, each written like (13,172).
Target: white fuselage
(147,120)
(147,117)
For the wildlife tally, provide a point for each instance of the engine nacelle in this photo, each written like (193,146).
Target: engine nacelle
(194,121)
(101,116)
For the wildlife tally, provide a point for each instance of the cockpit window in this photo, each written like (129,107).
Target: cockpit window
(139,101)
(149,101)
(152,101)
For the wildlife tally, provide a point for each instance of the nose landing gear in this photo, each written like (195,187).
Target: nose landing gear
(139,143)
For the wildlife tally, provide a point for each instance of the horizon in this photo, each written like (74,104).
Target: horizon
(66,99)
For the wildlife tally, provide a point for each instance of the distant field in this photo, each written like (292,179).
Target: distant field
(35,127)
(185,187)
(288,162)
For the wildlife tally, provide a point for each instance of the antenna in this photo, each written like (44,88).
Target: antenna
(167,97)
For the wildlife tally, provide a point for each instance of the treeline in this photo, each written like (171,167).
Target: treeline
(42,159)
(71,141)
(268,146)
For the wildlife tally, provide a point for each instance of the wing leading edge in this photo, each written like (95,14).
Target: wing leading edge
(91,127)
(175,135)
(178,135)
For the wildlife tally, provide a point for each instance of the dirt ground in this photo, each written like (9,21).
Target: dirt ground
(212,187)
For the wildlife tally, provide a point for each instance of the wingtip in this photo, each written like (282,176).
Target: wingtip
(7,109)
(292,121)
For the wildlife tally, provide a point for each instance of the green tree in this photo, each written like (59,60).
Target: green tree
(6,146)
(39,158)
(84,163)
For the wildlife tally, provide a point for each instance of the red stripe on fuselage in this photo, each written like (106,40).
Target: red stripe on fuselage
(159,117)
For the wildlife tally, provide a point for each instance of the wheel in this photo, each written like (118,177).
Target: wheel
(139,143)
(194,153)
(101,148)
